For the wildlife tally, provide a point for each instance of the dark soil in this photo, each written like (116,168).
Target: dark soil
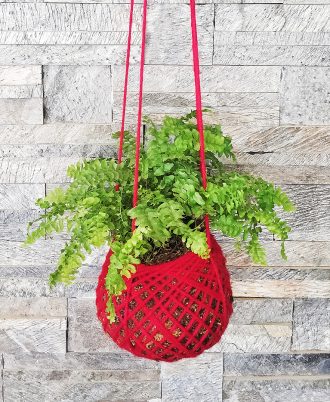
(173,249)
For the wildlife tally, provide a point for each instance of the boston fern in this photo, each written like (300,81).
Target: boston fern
(96,208)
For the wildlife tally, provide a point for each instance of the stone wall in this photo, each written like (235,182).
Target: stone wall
(266,73)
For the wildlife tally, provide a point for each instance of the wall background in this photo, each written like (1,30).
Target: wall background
(266,72)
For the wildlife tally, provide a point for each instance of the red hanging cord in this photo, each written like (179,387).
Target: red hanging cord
(128,53)
(139,119)
(200,127)
(199,112)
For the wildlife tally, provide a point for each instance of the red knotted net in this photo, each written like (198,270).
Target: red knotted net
(170,311)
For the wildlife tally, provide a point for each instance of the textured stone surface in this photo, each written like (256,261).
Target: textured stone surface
(299,253)
(56,134)
(68,390)
(163,47)
(67,37)
(271,38)
(39,335)
(305,95)
(182,382)
(311,325)
(21,111)
(281,159)
(77,361)
(33,307)
(13,224)
(67,151)
(64,17)
(14,254)
(20,92)
(20,95)
(79,94)
(213,79)
(45,163)
(28,287)
(292,174)
(280,282)
(306,1)
(256,311)
(35,170)
(284,140)
(81,376)
(272,55)
(238,364)
(248,109)
(255,338)
(64,54)
(15,197)
(279,390)
(99,20)
(311,220)
(71,376)
(268,18)
(285,44)
(35,271)
(20,75)
(82,321)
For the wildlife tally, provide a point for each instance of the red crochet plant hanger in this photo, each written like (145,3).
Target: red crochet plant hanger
(179,308)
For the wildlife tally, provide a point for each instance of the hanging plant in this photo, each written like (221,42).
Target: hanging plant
(164,291)
(96,209)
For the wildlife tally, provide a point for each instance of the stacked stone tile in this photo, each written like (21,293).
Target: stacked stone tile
(266,73)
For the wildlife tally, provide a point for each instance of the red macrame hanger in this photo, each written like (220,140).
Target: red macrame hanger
(200,127)
(199,112)
(127,63)
(140,101)
(139,118)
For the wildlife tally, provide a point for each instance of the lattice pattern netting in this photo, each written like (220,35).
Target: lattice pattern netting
(170,311)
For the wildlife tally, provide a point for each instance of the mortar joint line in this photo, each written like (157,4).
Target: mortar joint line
(2,378)
(213,34)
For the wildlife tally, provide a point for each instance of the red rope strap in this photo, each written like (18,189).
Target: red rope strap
(200,127)
(199,113)
(128,53)
(139,119)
